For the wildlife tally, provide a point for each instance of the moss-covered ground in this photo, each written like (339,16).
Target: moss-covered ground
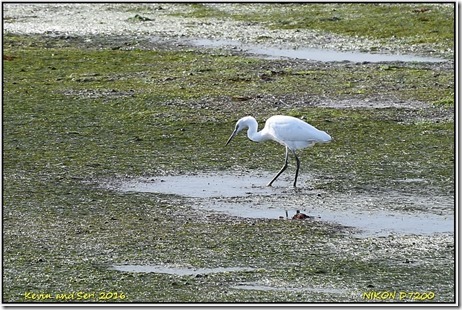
(74,115)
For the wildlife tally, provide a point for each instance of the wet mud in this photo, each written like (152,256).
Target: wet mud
(219,236)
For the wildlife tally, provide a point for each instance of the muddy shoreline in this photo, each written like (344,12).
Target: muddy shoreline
(120,144)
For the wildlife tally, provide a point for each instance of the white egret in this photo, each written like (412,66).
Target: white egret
(289,131)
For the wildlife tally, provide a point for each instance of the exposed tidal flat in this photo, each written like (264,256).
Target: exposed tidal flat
(116,180)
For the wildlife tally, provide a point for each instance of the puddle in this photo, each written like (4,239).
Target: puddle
(202,186)
(185,271)
(369,223)
(247,196)
(176,270)
(259,287)
(316,54)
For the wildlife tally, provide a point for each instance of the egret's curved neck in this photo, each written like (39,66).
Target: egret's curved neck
(252,132)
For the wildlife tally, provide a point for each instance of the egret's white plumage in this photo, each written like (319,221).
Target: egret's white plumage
(289,131)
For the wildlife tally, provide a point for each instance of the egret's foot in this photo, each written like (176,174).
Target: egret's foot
(297,189)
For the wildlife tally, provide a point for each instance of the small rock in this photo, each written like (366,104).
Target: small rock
(300,216)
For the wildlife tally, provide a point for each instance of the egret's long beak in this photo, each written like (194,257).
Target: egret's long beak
(232,136)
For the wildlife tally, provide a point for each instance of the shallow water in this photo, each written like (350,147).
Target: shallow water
(247,196)
(179,271)
(200,186)
(316,54)
(369,223)
(185,271)
(260,287)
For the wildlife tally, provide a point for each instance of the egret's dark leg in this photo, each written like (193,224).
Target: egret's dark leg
(282,169)
(298,167)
